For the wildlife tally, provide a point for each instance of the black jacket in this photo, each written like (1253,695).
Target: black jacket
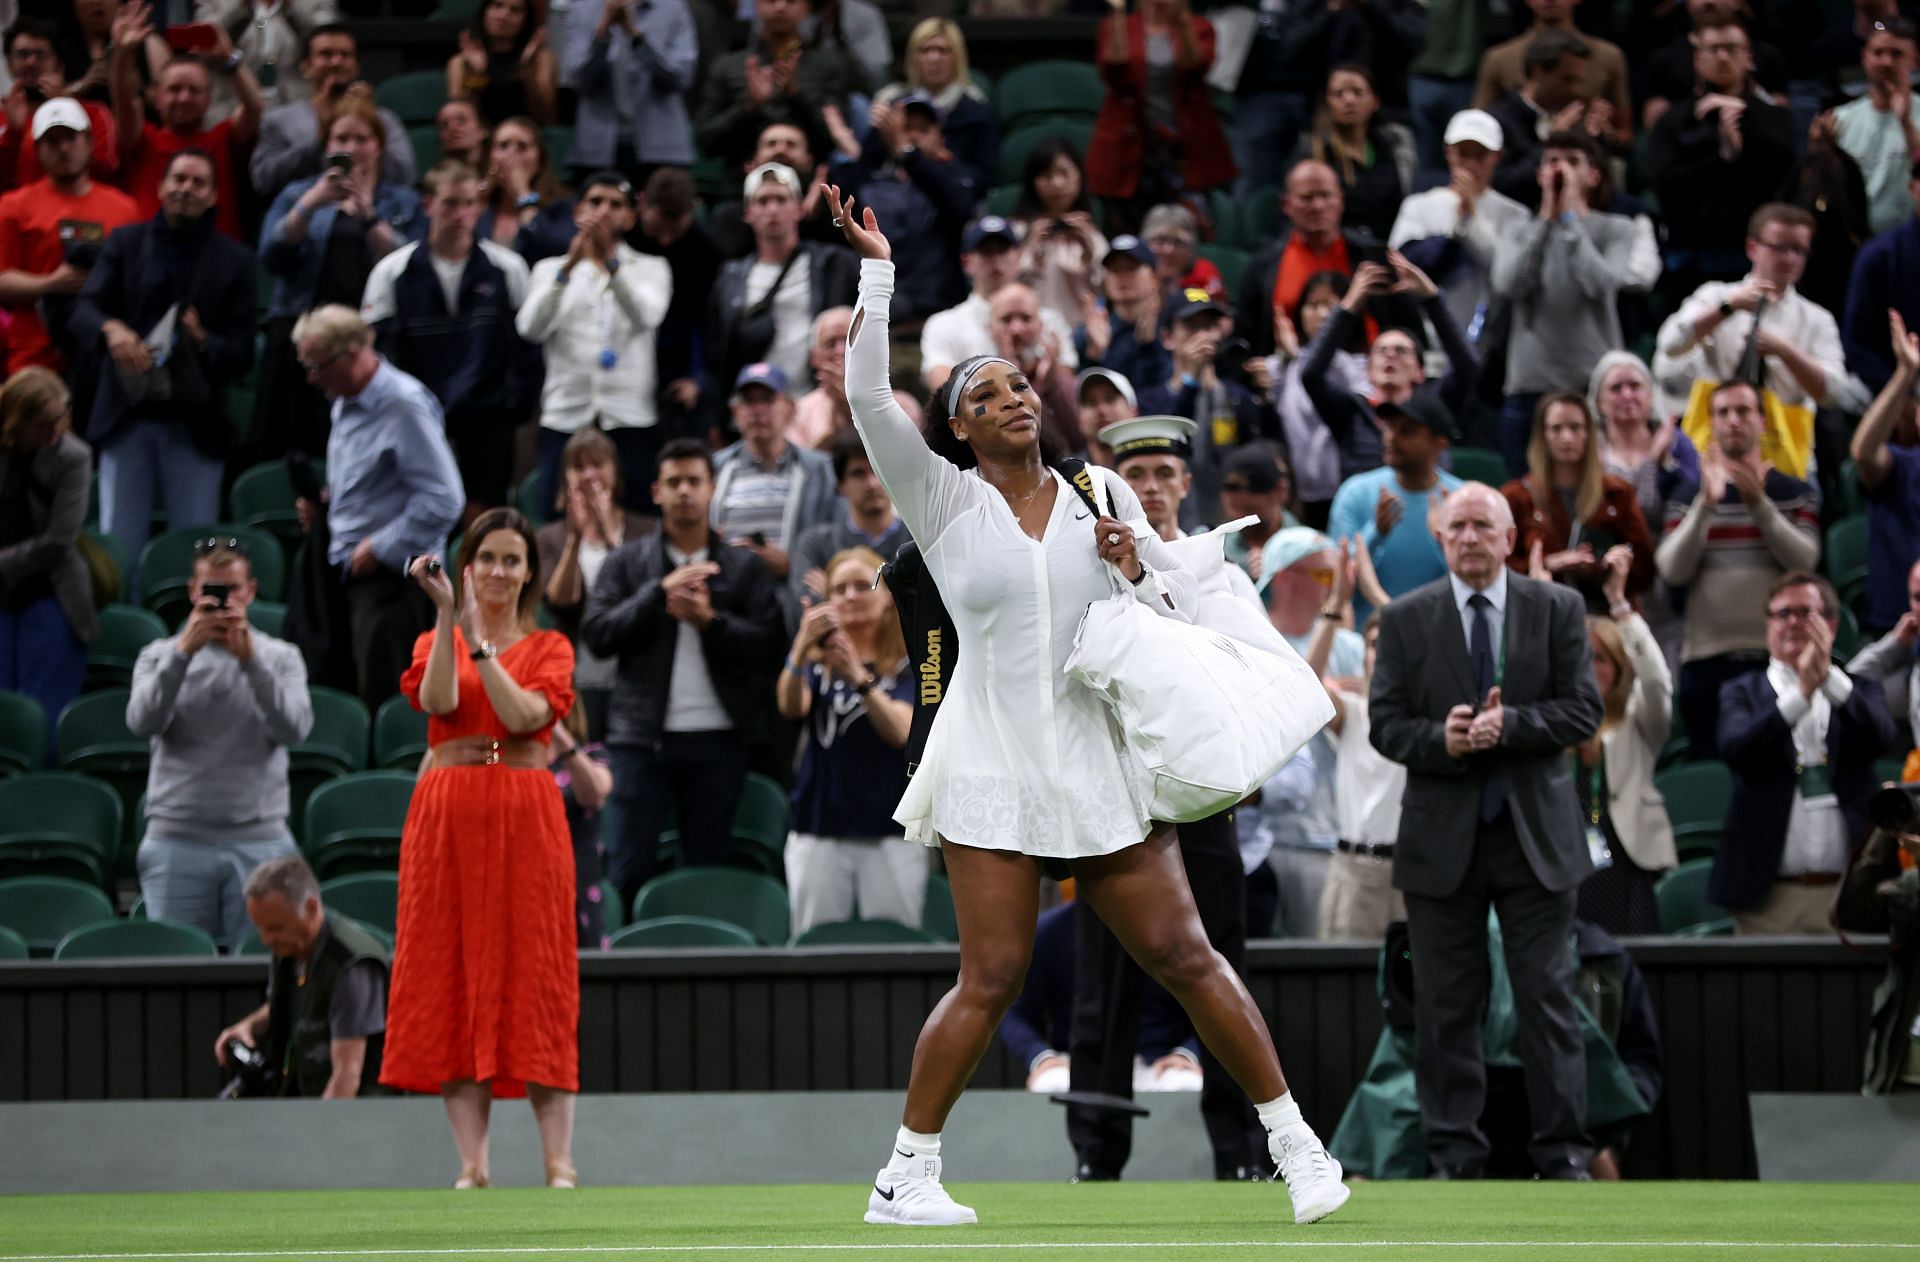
(1706,199)
(1518,171)
(834,274)
(128,284)
(627,618)
(1253,309)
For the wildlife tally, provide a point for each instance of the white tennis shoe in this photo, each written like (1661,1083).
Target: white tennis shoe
(1312,1175)
(915,1199)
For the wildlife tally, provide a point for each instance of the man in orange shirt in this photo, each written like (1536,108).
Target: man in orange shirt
(182,93)
(50,233)
(39,75)
(1312,241)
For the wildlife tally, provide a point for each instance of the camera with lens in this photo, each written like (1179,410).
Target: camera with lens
(255,1077)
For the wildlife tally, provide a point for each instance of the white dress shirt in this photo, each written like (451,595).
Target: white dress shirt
(1496,594)
(591,313)
(1681,357)
(964,331)
(1816,830)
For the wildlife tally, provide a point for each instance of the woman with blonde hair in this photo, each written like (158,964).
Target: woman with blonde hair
(1628,832)
(1569,511)
(46,590)
(847,676)
(935,65)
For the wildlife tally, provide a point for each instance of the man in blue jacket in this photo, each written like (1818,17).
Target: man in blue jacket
(442,310)
(1800,737)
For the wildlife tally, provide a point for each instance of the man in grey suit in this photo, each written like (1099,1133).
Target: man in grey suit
(1484,680)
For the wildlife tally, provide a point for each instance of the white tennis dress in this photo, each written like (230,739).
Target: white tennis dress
(1021,757)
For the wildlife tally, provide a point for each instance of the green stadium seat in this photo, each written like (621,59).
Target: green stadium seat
(12,945)
(23,734)
(559,140)
(1853,496)
(1477,464)
(269,617)
(1260,218)
(45,909)
(125,939)
(936,909)
(613,916)
(1001,199)
(1847,638)
(251,946)
(1015,146)
(1845,556)
(864,933)
(460,11)
(752,900)
(354,823)
(415,97)
(426,147)
(1696,794)
(680,932)
(117,553)
(166,566)
(760,826)
(124,631)
(56,823)
(139,909)
(341,726)
(372,898)
(1682,895)
(1046,91)
(526,498)
(92,738)
(263,498)
(1697,844)
(399,735)
(1231,262)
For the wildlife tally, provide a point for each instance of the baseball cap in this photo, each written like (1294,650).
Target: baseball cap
(1149,435)
(1117,380)
(1129,246)
(61,111)
(1480,127)
(986,228)
(769,375)
(771,171)
(1286,546)
(1255,466)
(1193,302)
(922,102)
(1422,407)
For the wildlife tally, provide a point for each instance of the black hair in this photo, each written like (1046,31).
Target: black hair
(1545,50)
(938,431)
(529,23)
(845,448)
(35,28)
(192,151)
(608,179)
(683,449)
(328,28)
(1039,159)
(1577,142)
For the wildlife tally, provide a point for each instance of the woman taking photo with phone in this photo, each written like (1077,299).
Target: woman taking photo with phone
(486,984)
(1024,762)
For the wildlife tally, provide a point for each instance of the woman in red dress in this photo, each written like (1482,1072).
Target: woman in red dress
(486,979)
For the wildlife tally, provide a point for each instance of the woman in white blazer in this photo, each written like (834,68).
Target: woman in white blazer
(1627,826)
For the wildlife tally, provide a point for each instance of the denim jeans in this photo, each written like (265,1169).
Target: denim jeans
(1265,128)
(42,657)
(1516,431)
(1434,102)
(131,459)
(203,883)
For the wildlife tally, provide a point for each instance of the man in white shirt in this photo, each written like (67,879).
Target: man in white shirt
(1707,337)
(1800,738)
(443,310)
(1881,129)
(1449,232)
(990,255)
(596,310)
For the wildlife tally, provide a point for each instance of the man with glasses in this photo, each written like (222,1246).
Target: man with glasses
(1707,337)
(1714,157)
(394,491)
(219,702)
(1728,536)
(1800,737)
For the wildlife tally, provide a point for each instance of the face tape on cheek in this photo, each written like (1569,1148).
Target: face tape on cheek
(960,391)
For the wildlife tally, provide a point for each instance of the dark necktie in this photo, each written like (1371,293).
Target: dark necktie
(1493,790)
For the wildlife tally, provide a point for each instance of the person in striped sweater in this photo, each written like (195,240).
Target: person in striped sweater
(1729,534)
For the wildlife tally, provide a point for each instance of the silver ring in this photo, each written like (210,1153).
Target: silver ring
(1113,538)
(839,223)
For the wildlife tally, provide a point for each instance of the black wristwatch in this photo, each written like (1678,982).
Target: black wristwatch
(1726,311)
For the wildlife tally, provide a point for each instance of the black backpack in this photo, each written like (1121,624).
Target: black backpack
(933,646)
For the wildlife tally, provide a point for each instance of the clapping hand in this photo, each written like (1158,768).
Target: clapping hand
(1906,346)
(688,599)
(1387,511)
(1484,732)
(1409,279)
(1749,477)
(1569,559)
(1815,662)
(1618,561)
(1459,731)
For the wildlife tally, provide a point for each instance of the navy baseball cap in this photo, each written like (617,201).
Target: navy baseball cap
(922,102)
(989,228)
(769,375)
(1126,245)
(1423,408)
(1193,302)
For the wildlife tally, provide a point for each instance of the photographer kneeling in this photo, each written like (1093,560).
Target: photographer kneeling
(1881,894)
(325,1017)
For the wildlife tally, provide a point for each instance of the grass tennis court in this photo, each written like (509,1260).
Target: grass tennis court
(1161,1222)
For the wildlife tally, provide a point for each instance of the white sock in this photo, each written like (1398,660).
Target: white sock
(1278,1115)
(911,1146)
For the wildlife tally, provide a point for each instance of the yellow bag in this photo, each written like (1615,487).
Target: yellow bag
(1786,443)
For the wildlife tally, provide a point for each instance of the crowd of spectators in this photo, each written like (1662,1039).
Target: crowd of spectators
(1653,280)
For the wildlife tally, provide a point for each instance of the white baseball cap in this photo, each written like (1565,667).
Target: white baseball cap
(61,111)
(771,171)
(1480,127)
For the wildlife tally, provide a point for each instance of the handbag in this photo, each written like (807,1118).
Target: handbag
(1209,709)
(753,335)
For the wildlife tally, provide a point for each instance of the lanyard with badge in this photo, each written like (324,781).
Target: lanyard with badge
(1597,848)
(609,306)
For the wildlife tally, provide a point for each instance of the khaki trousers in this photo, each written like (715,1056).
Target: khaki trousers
(1792,908)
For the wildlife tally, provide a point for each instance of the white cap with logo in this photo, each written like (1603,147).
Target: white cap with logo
(61,111)
(771,171)
(1480,127)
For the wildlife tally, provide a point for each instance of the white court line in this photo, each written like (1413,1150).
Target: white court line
(545,1251)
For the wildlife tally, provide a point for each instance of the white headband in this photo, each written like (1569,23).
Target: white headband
(973,372)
